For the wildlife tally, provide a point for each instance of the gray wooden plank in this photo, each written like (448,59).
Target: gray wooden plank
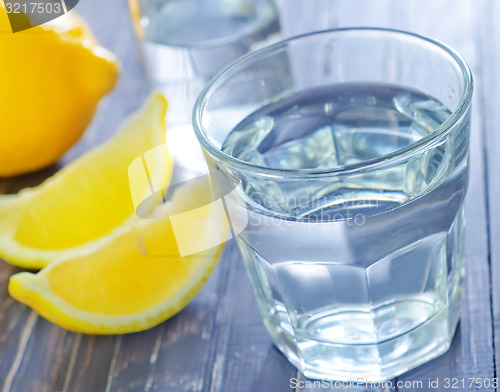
(25,364)
(245,359)
(43,366)
(490,45)
(14,318)
(90,360)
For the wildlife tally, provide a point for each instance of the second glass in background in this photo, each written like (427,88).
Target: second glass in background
(185,43)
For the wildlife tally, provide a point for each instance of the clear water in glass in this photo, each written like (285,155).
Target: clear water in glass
(362,272)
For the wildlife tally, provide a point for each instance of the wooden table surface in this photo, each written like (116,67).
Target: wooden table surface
(218,343)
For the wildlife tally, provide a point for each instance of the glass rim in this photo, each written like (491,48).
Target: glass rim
(134,10)
(366,165)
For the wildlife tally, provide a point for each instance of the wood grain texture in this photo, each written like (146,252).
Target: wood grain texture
(245,360)
(489,42)
(218,343)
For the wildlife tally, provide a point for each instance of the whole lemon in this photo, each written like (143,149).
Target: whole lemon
(51,80)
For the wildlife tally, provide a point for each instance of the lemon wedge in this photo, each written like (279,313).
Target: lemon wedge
(119,286)
(87,200)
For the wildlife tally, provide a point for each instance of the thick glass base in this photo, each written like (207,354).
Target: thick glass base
(370,362)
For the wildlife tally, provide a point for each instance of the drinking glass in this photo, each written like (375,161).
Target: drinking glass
(342,159)
(184,43)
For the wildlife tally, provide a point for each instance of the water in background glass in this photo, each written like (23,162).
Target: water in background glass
(185,43)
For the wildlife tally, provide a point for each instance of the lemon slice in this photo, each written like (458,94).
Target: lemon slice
(88,199)
(117,287)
